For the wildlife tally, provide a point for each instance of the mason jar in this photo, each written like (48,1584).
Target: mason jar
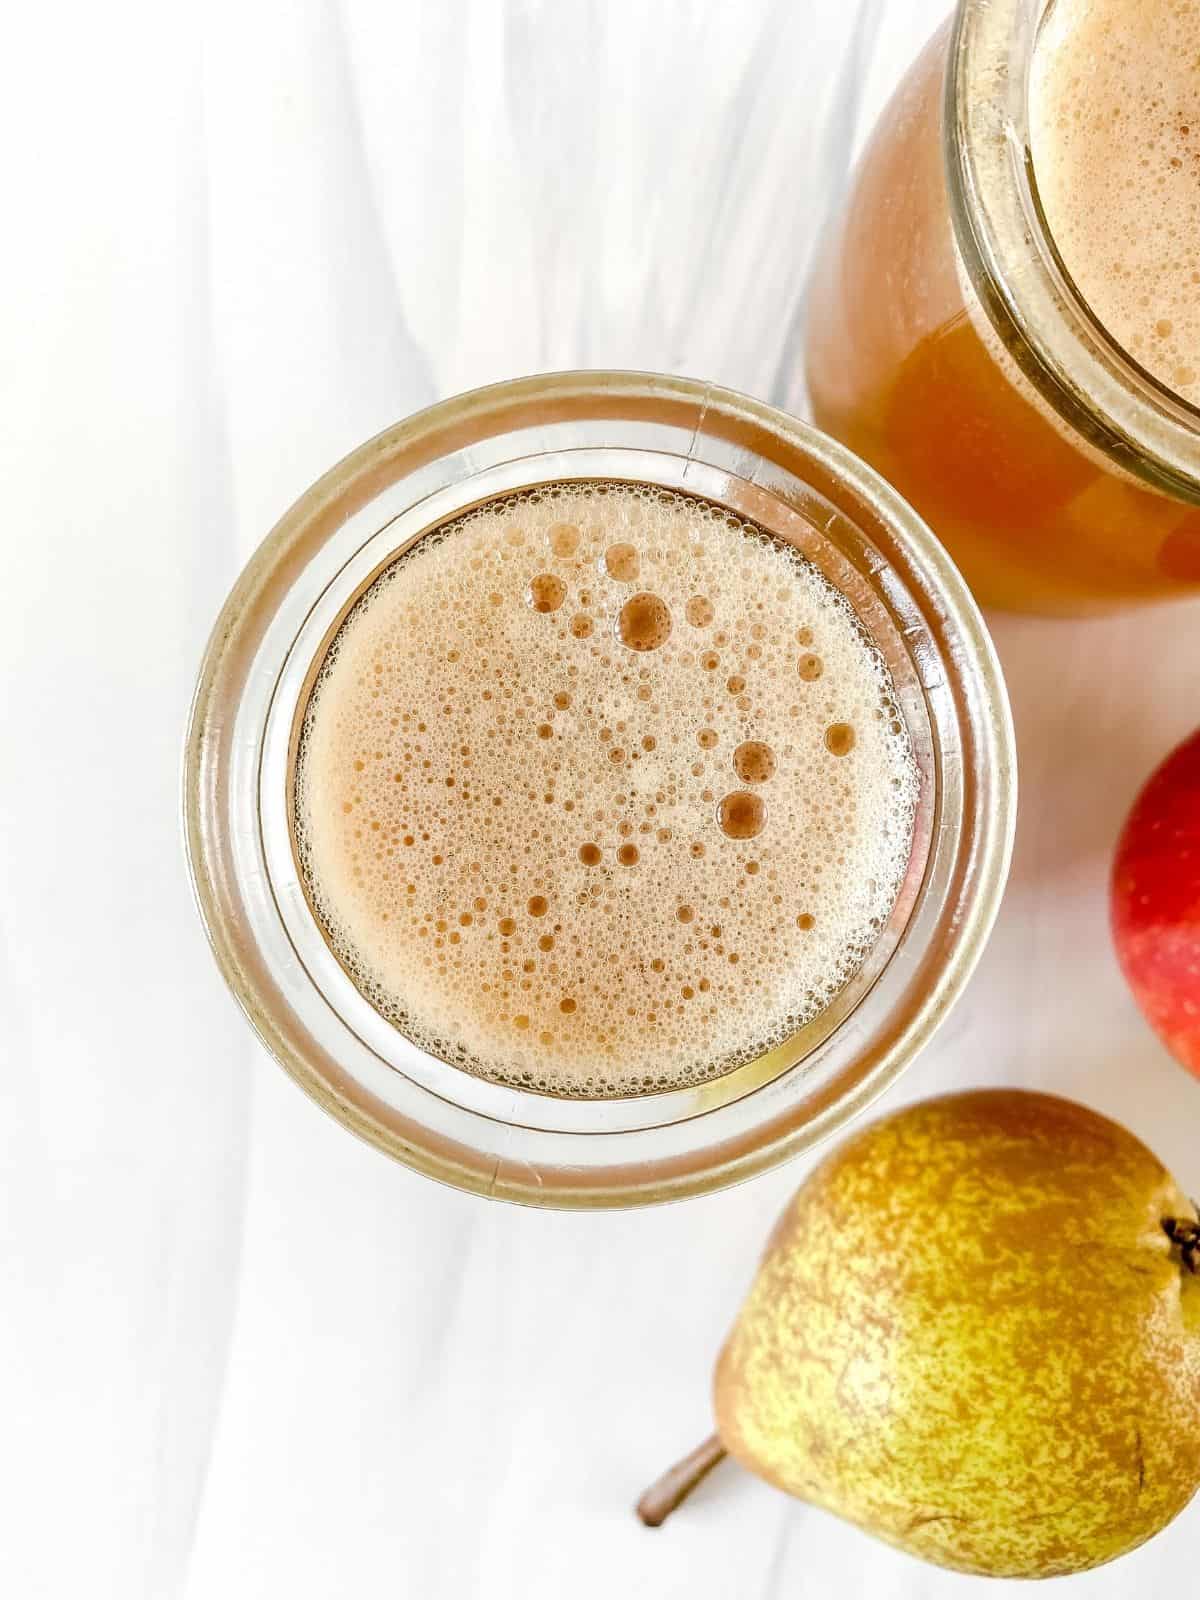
(948,346)
(241,751)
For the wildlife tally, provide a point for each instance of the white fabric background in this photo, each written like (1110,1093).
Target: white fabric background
(242,1356)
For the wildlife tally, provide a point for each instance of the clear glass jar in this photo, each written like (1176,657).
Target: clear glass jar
(254,682)
(948,347)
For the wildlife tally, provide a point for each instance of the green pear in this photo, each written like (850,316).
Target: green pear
(975,1334)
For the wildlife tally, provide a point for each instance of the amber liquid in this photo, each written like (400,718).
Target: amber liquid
(898,370)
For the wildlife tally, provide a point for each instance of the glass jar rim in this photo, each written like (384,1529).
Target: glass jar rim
(1039,316)
(698,439)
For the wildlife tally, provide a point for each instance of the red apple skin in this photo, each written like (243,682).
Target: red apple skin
(1156,902)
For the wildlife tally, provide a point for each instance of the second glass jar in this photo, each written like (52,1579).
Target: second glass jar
(948,347)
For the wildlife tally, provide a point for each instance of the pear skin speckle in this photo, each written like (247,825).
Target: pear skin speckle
(971,1337)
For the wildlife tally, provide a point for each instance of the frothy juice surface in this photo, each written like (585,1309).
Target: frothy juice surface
(602,791)
(1115,139)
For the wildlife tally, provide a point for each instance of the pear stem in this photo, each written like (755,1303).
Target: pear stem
(673,1488)
(1185,1232)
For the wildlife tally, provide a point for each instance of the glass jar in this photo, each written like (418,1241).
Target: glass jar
(948,347)
(270,640)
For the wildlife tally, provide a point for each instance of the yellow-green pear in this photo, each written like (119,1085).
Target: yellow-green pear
(975,1334)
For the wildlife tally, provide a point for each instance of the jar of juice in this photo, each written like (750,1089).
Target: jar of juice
(950,340)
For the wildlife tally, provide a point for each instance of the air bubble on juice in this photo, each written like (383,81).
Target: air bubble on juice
(546,592)
(742,815)
(810,668)
(754,761)
(699,611)
(564,539)
(622,563)
(644,622)
(839,739)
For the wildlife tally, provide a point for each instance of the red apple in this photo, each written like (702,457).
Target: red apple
(1156,902)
